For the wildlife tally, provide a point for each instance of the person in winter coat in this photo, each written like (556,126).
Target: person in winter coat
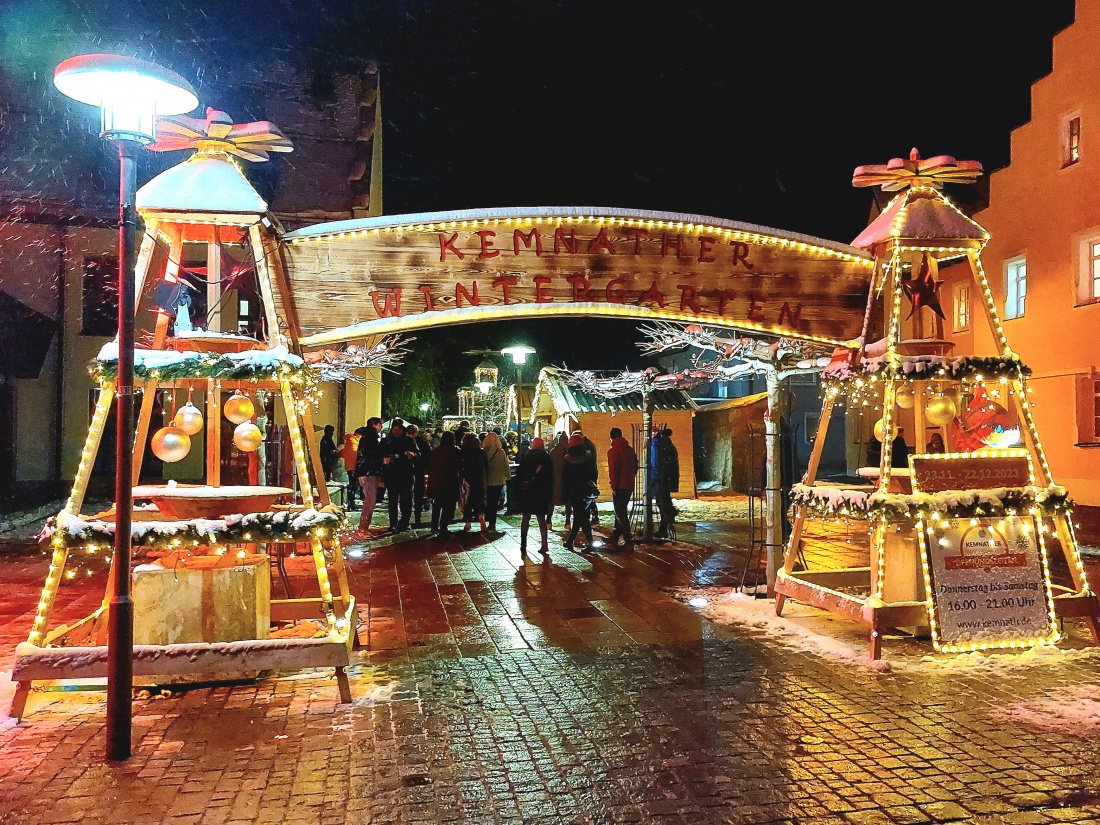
(557,457)
(593,512)
(444,480)
(399,454)
(368,468)
(328,451)
(475,466)
(622,467)
(497,476)
(664,479)
(578,485)
(535,485)
(420,470)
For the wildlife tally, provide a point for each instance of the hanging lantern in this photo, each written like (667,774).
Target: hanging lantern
(247,437)
(940,410)
(880,429)
(905,399)
(188,418)
(171,443)
(239,408)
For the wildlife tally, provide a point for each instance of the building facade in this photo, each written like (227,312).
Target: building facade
(1043,261)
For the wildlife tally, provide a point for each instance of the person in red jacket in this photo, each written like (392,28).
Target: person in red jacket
(622,466)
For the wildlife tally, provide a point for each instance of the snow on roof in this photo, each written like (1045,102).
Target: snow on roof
(552,390)
(202,183)
(920,214)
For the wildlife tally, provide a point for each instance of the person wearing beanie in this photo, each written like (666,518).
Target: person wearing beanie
(622,467)
(535,483)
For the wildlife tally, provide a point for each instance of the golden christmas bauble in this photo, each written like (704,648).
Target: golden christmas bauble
(171,443)
(905,399)
(188,418)
(940,410)
(247,437)
(239,408)
(880,429)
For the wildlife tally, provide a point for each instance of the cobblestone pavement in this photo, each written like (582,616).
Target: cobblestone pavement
(599,700)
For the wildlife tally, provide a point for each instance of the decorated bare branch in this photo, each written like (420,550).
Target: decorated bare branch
(729,349)
(340,364)
(616,385)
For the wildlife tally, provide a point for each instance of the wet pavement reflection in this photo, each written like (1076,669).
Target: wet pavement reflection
(497,688)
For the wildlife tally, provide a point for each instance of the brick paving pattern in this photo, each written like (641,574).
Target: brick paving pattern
(494,689)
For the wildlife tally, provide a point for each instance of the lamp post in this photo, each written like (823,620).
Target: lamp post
(131,94)
(518,353)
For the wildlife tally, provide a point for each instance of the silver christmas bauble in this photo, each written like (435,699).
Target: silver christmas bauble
(188,418)
(171,443)
(247,437)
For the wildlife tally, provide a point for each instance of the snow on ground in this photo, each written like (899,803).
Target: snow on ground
(7,692)
(1074,710)
(808,630)
(723,508)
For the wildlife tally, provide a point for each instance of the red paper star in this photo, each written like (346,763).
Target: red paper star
(923,291)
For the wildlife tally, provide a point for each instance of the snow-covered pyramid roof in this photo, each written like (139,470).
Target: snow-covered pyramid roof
(921,215)
(205,182)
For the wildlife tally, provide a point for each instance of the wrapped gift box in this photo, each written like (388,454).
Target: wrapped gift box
(182,599)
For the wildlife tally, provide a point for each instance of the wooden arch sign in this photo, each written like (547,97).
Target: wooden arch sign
(359,278)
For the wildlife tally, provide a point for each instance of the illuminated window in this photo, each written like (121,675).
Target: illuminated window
(1072,140)
(1088,279)
(962,307)
(1015,287)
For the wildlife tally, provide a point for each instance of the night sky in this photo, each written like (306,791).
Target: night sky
(755,112)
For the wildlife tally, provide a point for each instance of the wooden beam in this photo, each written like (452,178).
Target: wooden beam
(91,448)
(263,278)
(213,432)
(314,449)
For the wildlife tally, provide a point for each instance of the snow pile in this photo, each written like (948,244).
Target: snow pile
(846,500)
(694,510)
(7,693)
(1074,710)
(806,629)
(918,366)
(801,628)
(257,360)
(230,528)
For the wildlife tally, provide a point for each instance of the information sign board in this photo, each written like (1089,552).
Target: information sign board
(987,583)
(975,471)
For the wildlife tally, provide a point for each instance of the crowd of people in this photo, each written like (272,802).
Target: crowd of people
(459,475)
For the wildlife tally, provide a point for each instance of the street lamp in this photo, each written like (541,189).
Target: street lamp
(518,354)
(425,407)
(131,94)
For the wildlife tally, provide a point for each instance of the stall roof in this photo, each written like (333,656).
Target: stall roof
(553,390)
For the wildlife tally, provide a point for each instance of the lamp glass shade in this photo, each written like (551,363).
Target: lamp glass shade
(485,386)
(518,353)
(130,93)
